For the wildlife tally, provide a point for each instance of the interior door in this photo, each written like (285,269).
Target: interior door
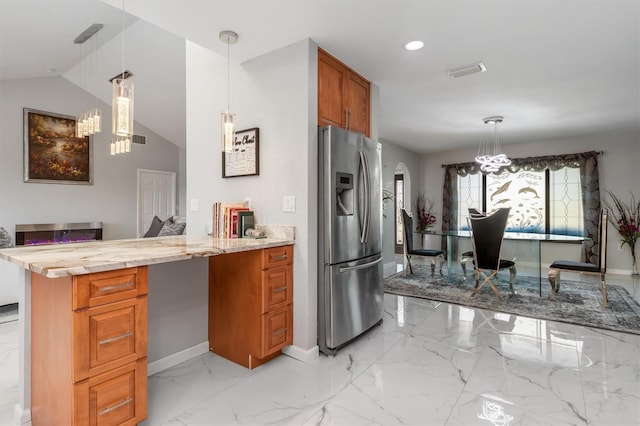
(156,197)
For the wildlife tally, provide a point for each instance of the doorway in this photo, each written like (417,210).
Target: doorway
(156,197)
(398,196)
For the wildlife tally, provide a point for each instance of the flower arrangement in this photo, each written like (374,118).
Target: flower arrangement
(425,218)
(626,219)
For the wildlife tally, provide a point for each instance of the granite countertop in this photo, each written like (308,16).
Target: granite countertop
(60,260)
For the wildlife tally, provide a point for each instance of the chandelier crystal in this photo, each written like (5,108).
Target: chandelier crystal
(490,157)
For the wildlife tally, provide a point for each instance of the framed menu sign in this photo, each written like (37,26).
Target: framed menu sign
(244,159)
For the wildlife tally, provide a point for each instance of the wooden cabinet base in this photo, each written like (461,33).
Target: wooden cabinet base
(251,304)
(89,354)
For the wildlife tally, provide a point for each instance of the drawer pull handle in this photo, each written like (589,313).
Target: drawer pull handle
(106,410)
(113,287)
(280,257)
(280,331)
(113,339)
(280,289)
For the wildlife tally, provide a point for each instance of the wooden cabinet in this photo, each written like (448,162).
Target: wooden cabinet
(343,95)
(251,304)
(89,348)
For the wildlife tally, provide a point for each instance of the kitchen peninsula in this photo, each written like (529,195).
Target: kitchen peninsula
(83,317)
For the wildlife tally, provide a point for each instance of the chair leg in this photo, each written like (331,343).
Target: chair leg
(554,281)
(433,267)
(603,283)
(409,264)
(441,257)
(487,280)
(463,265)
(512,278)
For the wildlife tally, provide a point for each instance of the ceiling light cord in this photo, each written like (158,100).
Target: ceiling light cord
(228,76)
(122,21)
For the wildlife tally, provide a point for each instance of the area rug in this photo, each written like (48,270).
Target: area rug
(576,303)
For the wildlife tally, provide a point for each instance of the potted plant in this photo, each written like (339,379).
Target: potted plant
(425,218)
(625,217)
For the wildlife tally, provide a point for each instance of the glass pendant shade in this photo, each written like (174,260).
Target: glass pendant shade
(228,131)
(96,113)
(122,103)
(120,145)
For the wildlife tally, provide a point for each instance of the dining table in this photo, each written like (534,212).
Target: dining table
(523,247)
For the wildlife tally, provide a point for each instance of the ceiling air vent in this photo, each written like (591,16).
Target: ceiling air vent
(466,70)
(139,139)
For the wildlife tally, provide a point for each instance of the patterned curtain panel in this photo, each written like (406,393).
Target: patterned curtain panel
(589,180)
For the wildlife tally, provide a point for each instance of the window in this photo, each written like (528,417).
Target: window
(540,201)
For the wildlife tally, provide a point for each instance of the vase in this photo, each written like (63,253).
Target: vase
(634,266)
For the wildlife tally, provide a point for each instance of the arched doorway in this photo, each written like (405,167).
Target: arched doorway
(402,197)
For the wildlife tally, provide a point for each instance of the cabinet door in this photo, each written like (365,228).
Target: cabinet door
(277,330)
(357,104)
(277,287)
(107,336)
(115,398)
(331,80)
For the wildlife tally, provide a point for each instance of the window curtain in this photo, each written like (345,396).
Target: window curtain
(587,162)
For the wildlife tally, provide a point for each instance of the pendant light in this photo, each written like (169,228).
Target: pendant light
(490,157)
(228,118)
(122,106)
(90,121)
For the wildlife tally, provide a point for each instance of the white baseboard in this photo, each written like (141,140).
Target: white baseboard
(21,416)
(175,359)
(304,355)
(389,269)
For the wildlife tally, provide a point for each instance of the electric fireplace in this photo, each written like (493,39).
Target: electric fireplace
(56,233)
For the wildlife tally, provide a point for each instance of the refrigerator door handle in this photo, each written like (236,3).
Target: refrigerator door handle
(367,197)
(355,268)
(363,168)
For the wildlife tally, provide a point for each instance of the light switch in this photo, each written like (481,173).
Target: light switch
(289,203)
(194,205)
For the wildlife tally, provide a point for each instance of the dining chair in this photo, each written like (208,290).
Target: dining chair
(487,233)
(467,256)
(409,250)
(599,268)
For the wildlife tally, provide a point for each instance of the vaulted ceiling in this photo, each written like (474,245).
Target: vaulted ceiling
(555,68)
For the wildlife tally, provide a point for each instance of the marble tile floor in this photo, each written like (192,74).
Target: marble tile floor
(428,363)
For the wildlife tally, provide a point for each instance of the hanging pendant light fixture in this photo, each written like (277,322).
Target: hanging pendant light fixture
(122,106)
(90,121)
(228,118)
(490,157)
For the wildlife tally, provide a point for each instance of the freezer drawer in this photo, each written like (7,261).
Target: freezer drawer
(352,301)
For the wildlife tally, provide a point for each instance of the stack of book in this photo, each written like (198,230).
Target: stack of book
(230,220)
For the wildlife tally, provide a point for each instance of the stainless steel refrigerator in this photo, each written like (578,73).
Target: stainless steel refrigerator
(350,289)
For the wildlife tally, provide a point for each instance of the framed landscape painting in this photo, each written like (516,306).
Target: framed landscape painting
(52,153)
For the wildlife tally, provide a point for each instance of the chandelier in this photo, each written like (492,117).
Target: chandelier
(90,121)
(490,157)
(122,106)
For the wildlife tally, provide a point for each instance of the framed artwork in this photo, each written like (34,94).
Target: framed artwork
(244,159)
(52,153)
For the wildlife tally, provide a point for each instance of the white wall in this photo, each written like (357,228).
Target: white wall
(112,197)
(272,92)
(618,169)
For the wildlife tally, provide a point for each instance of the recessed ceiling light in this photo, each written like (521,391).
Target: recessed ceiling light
(414,45)
(50,71)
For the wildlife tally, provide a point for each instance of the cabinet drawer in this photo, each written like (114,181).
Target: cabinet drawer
(114,398)
(106,287)
(277,256)
(107,336)
(277,330)
(277,287)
